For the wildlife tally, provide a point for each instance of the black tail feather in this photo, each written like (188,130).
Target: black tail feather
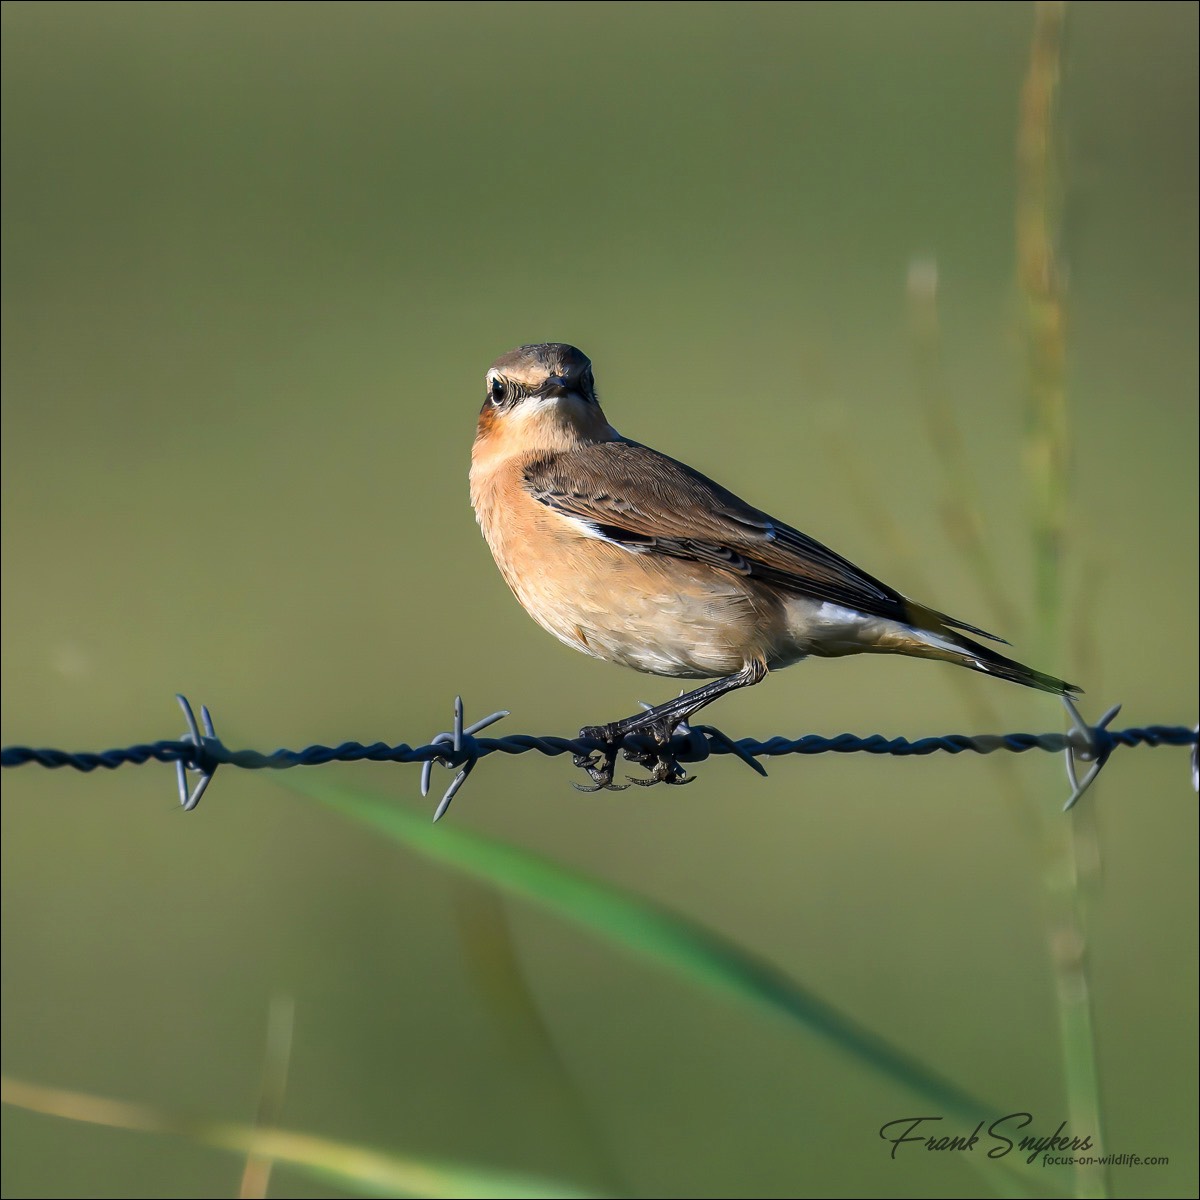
(929,618)
(990,662)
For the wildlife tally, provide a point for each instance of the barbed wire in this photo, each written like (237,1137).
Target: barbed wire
(202,752)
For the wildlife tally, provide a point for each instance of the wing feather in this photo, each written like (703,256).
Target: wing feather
(651,504)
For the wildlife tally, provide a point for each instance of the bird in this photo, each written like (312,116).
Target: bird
(634,557)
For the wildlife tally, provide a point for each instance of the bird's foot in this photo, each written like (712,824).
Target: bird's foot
(662,768)
(652,754)
(600,764)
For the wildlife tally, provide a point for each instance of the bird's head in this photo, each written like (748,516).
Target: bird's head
(540,397)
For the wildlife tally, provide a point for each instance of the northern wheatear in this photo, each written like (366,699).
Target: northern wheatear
(630,556)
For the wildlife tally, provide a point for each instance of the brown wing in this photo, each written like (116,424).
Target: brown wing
(649,503)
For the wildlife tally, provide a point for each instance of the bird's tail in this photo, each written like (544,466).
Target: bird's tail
(951,646)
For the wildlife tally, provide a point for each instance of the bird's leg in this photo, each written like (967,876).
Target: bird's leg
(659,723)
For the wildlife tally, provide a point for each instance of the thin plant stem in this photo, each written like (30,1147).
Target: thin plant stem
(960,509)
(256,1176)
(492,958)
(1071,862)
(1043,293)
(889,532)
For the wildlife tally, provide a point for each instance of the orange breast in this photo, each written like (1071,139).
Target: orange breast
(656,614)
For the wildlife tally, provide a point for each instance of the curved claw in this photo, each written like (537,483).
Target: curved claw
(600,765)
(661,765)
(673,780)
(599,787)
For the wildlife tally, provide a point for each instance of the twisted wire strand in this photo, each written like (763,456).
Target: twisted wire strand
(212,753)
(460,749)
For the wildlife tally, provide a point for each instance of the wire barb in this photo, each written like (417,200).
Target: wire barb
(201,752)
(456,739)
(204,766)
(726,742)
(1086,743)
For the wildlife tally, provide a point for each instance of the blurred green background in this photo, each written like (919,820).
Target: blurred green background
(257,258)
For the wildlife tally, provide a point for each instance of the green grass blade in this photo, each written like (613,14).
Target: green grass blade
(638,924)
(354,1168)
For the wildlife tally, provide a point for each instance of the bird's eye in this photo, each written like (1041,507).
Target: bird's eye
(496,390)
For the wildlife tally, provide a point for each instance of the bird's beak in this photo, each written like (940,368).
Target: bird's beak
(557,385)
